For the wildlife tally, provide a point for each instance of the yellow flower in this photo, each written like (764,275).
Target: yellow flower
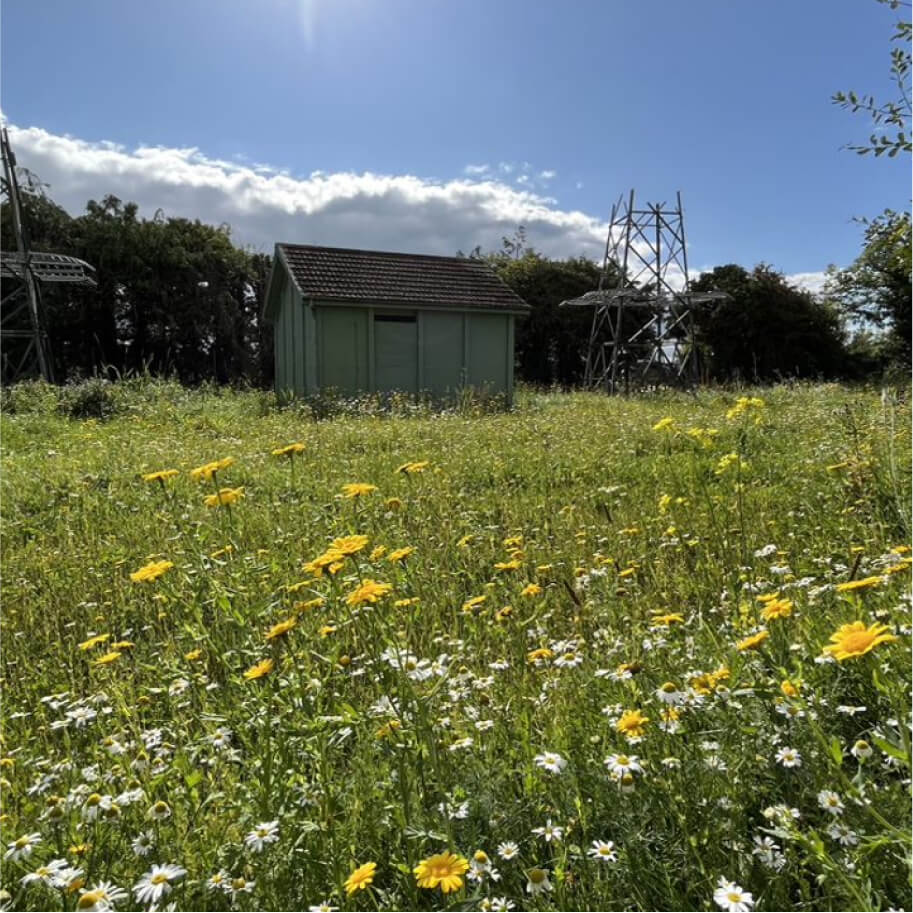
(671,618)
(358,489)
(410,468)
(219,552)
(863,584)
(444,870)
(406,603)
(789,689)
(360,878)
(289,450)
(225,496)
(94,641)
(531,589)
(327,630)
(369,591)
(707,682)
(331,559)
(466,541)
(753,642)
(777,608)
(377,553)
(472,604)
(537,656)
(314,603)
(704,436)
(281,629)
(401,554)
(729,461)
(208,470)
(107,658)
(349,545)
(855,639)
(504,613)
(627,572)
(393,504)
(745,404)
(151,571)
(161,476)
(631,725)
(264,667)
(512,565)
(193,655)
(665,424)
(123,645)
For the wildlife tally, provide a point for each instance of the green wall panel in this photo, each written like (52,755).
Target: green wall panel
(342,348)
(442,337)
(395,355)
(487,340)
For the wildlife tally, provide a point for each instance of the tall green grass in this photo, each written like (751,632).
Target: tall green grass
(619,565)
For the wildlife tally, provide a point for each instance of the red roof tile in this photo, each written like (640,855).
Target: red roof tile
(336,273)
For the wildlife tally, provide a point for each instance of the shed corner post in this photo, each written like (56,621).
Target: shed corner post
(372,380)
(420,361)
(509,360)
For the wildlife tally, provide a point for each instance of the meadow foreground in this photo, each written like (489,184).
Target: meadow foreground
(594,654)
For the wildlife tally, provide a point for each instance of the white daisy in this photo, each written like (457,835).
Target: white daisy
(22,847)
(263,834)
(789,757)
(549,832)
(508,850)
(103,897)
(537,881)
(157,883)
(620,764)
(143,843)
(830,802)
(603,850)
(550,761)
(48,874)
(730,897)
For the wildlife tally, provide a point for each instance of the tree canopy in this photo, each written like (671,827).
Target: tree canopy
(174,296)
(767,330)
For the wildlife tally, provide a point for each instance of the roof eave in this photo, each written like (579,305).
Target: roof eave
(522,308)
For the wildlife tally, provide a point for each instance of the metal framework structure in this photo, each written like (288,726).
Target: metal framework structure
(24,349)
(643,326)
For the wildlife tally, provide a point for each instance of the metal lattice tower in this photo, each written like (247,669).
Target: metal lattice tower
(24,346)
(643,325)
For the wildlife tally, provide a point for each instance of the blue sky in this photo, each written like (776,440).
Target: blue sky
(431,125)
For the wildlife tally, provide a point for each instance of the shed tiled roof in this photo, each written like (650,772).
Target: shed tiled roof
(336,273)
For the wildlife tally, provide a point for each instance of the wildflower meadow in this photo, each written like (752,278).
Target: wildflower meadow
(591,653)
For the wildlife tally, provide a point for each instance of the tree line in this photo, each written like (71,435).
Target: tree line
(178,297)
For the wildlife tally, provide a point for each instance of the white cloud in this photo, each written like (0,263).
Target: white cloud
(809,282)
(264,205)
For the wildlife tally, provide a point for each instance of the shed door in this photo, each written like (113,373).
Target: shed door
(396,352)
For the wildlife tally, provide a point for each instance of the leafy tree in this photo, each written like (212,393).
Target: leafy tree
(173,295)
(551,343)
(876,289)
(767,330)
(894,113)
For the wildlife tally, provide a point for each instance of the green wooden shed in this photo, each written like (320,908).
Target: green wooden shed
(373,321)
